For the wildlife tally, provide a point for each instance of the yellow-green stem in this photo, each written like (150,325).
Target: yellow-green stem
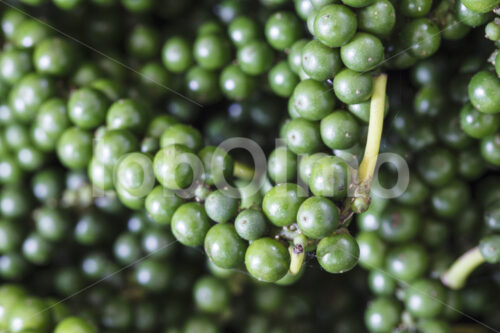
(377,107)
(242,171)
(456,276)
(297,254)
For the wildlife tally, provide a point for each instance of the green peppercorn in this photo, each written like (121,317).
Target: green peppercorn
(338,253)
(267,259)
(224,246)
(282,203)
(334,25)
(190,224)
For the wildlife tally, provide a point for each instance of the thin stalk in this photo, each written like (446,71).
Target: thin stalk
(243,171)
(297,254)
(361,200)
(377,106)
(456,276)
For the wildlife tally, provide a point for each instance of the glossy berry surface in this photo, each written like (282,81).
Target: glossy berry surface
(338,253)
(267,260)
(190,224)
(424,298)
(317,217)
(334,25)
(224,246)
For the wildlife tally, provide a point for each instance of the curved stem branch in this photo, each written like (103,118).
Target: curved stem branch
(456,276)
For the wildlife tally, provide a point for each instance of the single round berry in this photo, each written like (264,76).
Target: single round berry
(153,275)
(436,166)
(176,54)
(303,136)
(372,250)
(449,200)
(364,52)
(378,18)
(212,51)
(319,61)
(11,19)
(330,177)
(74,324)
(338,253)
(161,204)
(143,42)
(282,203)
(382,315)
(295,55)
(175,167)
(134,174)
(90,229)
(74,148)
(415,8)
(416,193)
(267,259)
(317,217)
(26,97)
(127,248)
(126,114)
(422,37)
(203,85)
(52,224)
(490,149)
(236,84)
(218,165)
(112,145)
(29,33)
(399,224)
(14,64)
(87,108)
(282,79)
(220,207)
(158,242)
(425,298)
(282,30)
(199,323)
(242,30)
(489,247)
(312,99)
(182,135)
(190,224)
(340,130)
(478,124)
(250,224)
(282,165)
(481,6)
(54,56)
(407,262)
(28,314)
(11,236)
(470,17)
(352,87)
(224,247)
(255,57)
(381,283)
(335,25)
(484,92)
(211,295)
